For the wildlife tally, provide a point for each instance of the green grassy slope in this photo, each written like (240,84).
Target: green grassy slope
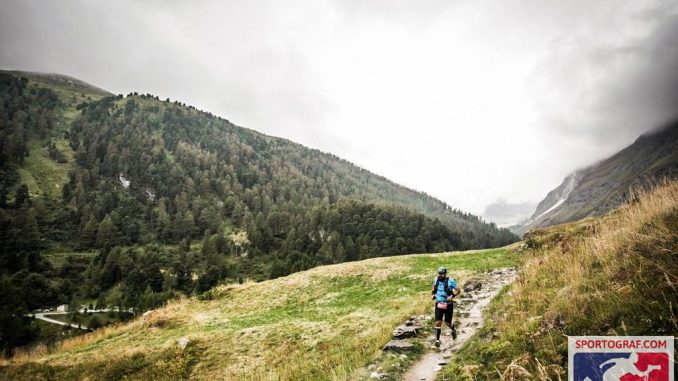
(43,175)
(320,324)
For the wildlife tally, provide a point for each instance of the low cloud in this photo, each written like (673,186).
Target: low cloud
(605,92)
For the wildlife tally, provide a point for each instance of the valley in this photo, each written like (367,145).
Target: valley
(238,255)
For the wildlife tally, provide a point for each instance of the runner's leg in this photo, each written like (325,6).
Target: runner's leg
(439,321)
(448,320)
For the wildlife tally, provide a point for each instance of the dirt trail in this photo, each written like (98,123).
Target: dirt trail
(468,311)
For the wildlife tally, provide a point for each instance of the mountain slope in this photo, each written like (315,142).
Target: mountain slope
(596,190)
(60,83)
(602,276)
(233,160)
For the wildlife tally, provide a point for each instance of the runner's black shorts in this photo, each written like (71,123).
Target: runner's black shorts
(447,313)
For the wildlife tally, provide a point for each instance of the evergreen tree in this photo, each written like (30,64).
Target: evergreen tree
(106,232)
(21,197)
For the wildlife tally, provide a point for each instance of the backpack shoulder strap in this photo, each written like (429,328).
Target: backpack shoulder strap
(447,286)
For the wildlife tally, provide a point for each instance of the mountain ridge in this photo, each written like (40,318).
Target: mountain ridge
(59,80)
(603,186)
(433,203)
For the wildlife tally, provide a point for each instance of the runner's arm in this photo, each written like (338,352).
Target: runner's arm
(455,292)
(455,289)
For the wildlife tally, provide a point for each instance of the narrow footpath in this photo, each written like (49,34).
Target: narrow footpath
(469,314)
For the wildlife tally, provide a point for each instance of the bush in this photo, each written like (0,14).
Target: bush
(95,323)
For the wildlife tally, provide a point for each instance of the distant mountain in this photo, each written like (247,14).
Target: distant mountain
(505,214)
(598,189)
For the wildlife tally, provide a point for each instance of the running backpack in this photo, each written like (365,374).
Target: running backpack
(446,285)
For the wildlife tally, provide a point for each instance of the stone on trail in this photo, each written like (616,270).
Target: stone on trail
(398,345)
(404,331)
(473,286)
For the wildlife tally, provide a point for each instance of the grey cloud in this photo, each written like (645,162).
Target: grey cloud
(616,89)
(410,13)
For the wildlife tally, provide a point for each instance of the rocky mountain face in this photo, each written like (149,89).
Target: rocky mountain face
(601,187)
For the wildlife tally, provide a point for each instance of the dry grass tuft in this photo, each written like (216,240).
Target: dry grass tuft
(615,275)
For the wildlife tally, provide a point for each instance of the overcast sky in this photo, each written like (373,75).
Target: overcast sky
(469,101)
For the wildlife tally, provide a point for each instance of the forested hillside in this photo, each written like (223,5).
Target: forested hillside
(168,199)
(187,160)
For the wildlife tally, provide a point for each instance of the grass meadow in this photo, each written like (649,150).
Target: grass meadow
(322,324)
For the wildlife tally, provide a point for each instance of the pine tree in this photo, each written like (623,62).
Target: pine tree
(164,223)
(21,196)
(106,233)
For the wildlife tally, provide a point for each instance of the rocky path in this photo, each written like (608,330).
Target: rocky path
(468,316)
